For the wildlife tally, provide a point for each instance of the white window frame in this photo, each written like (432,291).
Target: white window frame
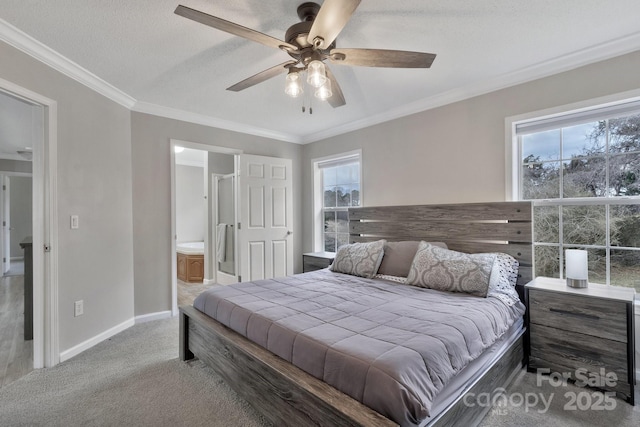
(513,181)
(318,192)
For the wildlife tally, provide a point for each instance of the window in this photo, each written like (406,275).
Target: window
(582,172)
(338,185)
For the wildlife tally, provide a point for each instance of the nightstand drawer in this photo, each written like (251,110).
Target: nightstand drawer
(564,352)
(597,317)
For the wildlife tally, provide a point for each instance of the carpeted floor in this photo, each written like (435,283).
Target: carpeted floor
(136,379)
(133,379)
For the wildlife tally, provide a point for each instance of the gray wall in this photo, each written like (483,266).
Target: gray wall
(150,137)
(94,182)
(20,214)
(190,203)
(456,153)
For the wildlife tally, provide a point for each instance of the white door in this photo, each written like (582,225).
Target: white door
(6,225)
(266,217)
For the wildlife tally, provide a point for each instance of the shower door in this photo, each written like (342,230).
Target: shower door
(225,225)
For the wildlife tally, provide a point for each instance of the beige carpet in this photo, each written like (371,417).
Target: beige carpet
(133,379)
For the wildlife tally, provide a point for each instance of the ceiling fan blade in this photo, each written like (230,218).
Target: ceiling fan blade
(261,76)
(231,28)
(337,98)
(382,58)
(331,19)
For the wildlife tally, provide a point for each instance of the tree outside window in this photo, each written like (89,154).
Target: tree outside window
(584,180)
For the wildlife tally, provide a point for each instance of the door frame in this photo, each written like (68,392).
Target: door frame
(172,154)
(46,351)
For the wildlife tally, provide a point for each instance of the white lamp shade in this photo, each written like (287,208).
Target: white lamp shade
(324,92)
(293,86)
(577,264)
(316,75)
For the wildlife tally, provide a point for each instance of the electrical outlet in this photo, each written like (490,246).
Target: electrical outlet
(78,308)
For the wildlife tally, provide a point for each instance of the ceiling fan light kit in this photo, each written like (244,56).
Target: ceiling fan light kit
(293,86)
(310,43)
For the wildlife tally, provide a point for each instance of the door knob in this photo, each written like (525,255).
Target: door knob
(289,232)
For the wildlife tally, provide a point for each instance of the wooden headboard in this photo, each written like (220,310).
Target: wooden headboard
(468,227)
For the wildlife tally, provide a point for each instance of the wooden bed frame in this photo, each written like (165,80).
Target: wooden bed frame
(286,395)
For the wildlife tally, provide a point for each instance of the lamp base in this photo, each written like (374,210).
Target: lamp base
(577,283)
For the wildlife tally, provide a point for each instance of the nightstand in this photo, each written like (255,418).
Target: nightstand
(583,333)
(316,260)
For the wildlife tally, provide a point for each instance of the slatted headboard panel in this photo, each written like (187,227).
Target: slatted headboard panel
(469,227)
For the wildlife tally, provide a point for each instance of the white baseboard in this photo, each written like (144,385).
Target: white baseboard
(209,282)
(226,279)
(86,345)
(153,316)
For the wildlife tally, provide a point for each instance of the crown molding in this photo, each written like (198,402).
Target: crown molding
(201,119)
(27,44)
(590,55)
(32,47)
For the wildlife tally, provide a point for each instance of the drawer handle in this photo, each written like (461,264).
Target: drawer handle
(571,313)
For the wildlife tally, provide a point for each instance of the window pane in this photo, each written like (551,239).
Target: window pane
(329,222)
(624,225)
(625,268)
(584,177)
(624,175)
(584,225)
(624,134)
(355,195)
(329,242)
(344,175)
(329,197)
(546,224)
(343,221)
(343,239)
(541,146)
(547,259)
(584,140)
(329,177)
(541,181)
(344,195)
(355,173)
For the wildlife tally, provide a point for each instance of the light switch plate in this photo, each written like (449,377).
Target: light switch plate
(75,222)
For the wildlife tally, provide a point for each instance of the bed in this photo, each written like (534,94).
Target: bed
(288,395)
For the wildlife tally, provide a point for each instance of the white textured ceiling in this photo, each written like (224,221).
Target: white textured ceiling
(142,48)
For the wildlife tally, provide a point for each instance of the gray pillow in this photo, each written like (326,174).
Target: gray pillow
(359,259)
(445,270)
(398,257)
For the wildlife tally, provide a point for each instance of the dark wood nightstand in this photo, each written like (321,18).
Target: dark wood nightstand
(316,260)
(587,332)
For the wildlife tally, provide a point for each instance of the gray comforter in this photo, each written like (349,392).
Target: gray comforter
(390,346)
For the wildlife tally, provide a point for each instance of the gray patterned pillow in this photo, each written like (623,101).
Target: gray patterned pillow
(446,270)
(359,259)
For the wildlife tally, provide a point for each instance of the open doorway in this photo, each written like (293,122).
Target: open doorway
(28,144)
(261,222)
(203,212)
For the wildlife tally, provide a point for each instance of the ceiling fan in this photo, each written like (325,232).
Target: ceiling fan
(310,43)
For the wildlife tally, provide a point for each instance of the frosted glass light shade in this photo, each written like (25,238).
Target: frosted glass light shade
(324,92)
(316,75)
(293,85)
(577,268)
